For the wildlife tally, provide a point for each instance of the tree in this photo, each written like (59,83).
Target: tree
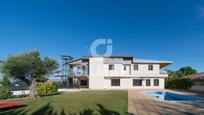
(171,73)
(5,91)
(29,67)
(182,72)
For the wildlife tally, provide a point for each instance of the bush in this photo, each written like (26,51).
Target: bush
(178,83)
(48,87)
(5,91)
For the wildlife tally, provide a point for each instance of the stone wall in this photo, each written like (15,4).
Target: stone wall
(197,88)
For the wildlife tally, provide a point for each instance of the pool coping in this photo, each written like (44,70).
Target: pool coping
(174,92)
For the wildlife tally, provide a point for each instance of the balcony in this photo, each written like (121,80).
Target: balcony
(78,73)
(164,73)
(78,70)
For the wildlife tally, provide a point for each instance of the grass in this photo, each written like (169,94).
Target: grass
(81,103)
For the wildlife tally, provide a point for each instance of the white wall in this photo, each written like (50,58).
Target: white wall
(100,75)
(161,83)
(96,77)
(127,83)
(118,70)
(20,92)
(142,71)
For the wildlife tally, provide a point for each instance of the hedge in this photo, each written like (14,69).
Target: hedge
(178,83)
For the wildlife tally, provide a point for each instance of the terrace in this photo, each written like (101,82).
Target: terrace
(78,73)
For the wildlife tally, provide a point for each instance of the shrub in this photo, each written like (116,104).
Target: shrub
(178,83)
(5,91)
(48,87)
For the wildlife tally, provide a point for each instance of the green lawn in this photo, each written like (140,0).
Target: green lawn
(80,103)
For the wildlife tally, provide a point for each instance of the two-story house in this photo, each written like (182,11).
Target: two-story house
(117,72)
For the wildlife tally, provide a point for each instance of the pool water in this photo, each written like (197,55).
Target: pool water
(163,95)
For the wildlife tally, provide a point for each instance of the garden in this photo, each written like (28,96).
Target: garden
(43,98)
(178,80)
(79,103)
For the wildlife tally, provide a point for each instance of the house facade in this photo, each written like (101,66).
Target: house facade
(117,72)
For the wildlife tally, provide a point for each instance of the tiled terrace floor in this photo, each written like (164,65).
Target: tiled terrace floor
(143,104)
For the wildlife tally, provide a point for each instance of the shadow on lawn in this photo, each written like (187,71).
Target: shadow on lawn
(49,110)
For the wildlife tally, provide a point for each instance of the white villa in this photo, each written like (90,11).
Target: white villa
(117,72)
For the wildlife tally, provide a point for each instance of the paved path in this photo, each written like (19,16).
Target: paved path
(143,104)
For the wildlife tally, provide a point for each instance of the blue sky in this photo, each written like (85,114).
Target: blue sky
(159,29)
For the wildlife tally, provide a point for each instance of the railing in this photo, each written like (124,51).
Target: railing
(79,73)
(163,72)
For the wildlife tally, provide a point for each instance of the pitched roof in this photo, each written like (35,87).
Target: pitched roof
(162,63)
(112,56)
(151,61)
(73,61)
(66,56)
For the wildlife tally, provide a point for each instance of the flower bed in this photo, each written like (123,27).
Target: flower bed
(4,105)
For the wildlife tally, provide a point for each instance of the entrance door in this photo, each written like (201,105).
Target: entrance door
(74,83)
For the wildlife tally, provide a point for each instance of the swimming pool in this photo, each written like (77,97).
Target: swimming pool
(163,95)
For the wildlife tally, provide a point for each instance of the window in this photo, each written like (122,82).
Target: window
(111,67)
(137,82)
(136,67)
(156,82)
(115,82)
(125,68)
(150,67)
(83,83)
(148,82)
(83,68)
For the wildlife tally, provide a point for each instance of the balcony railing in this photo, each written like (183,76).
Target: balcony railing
(163,72)
(78,73)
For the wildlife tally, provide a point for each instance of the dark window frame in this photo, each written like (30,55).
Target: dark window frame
(135,83)
(111,67)
(115,82)
(83,68)
(150,67)
(148,83)
(136,67)
(156,82)
(83,82)
(124,68)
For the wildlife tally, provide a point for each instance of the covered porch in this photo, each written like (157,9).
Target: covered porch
(78,81)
